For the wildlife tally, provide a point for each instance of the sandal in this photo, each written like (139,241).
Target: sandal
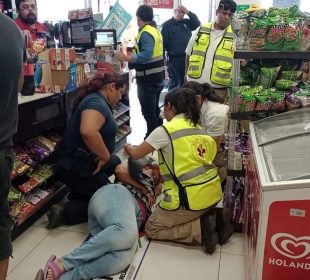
(56,272)
(39,275)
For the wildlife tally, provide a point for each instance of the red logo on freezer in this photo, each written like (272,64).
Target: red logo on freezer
(291,246)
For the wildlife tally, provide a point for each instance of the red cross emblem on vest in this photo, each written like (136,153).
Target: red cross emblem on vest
(201,151)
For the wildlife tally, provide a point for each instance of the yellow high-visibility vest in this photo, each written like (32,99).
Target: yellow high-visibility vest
(223,57)
(193,152)
(155,66)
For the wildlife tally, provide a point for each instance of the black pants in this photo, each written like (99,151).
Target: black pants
(148,95)
(176,71)
(82,189)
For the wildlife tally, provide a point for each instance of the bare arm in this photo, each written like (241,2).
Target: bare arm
(91,122)
(137,152)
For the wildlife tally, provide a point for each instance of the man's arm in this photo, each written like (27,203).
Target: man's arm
(147,46)
(193,22)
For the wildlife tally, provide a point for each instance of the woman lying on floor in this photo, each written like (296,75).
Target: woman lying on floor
(115,214)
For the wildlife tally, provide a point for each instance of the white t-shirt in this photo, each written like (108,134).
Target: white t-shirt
(214,118)
(159,139)
(215,39)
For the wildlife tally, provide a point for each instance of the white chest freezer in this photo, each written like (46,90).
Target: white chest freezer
(277,198)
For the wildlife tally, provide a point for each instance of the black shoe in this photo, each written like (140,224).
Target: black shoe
(224,226)
(209,236)
(56,215)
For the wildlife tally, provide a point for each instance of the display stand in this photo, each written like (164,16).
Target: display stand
(38,114)
(249,197)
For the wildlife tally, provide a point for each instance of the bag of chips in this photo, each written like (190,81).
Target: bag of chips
(285,84)
(268,76)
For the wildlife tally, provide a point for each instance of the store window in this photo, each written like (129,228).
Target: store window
(200,8)
(57,9)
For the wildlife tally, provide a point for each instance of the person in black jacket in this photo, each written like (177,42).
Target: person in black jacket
(176,33)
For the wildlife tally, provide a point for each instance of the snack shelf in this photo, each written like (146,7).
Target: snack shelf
(122,121)
(120,110)
(120,137)
(40,209)
(271,54)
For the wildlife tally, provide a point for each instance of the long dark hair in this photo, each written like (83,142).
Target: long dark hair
(97,82)
(205,91)
(185,102)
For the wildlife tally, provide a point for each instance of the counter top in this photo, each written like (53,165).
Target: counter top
(29,98)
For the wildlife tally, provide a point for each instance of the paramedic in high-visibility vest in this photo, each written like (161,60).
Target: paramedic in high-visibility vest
(191,185)
(148,61)
(209,53)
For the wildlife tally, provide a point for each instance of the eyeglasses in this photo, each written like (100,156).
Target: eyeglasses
(27,7)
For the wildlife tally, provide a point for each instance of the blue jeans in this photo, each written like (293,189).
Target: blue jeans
(113,218)
(148,95)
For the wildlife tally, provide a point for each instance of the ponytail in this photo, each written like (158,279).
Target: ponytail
(205,91)
(97,82)
(185,102)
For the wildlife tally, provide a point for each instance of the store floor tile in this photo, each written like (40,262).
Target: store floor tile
(25,244)
(234,245)
(167,261)
(57,242)
(231,267)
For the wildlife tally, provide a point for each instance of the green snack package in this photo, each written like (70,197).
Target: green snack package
(278,100)
(292,35)
(248,102)
(291,75)
(263,103)
(285,84)
(274,37)
(257,36)
(268,76)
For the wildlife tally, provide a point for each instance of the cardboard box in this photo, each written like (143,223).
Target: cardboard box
(61,59)
(58,81)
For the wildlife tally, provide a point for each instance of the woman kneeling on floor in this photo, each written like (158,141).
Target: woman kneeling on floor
(192,187)
(115,214)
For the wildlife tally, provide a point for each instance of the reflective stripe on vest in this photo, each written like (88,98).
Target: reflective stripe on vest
(151,71)
(223,57)
(156,63)
(193,152)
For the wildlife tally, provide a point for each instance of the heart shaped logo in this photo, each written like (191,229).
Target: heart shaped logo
(291,246)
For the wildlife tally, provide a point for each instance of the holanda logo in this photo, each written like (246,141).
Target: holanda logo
(291,246)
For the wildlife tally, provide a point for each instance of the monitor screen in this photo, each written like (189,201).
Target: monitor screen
(80,32)
(104,37)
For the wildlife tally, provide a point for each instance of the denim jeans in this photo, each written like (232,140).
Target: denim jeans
(148,95)
(113,218)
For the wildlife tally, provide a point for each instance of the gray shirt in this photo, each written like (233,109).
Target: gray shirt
(11,63)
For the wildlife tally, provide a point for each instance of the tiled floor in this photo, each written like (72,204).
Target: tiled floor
(163,261)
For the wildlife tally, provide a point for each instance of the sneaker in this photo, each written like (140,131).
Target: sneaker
(56,215)
(224,226)
(209,236)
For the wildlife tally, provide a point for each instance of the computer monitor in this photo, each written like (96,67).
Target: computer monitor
(81,33)
(104,38)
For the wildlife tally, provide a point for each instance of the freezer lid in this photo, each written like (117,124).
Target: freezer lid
(288,159)
(281,126)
